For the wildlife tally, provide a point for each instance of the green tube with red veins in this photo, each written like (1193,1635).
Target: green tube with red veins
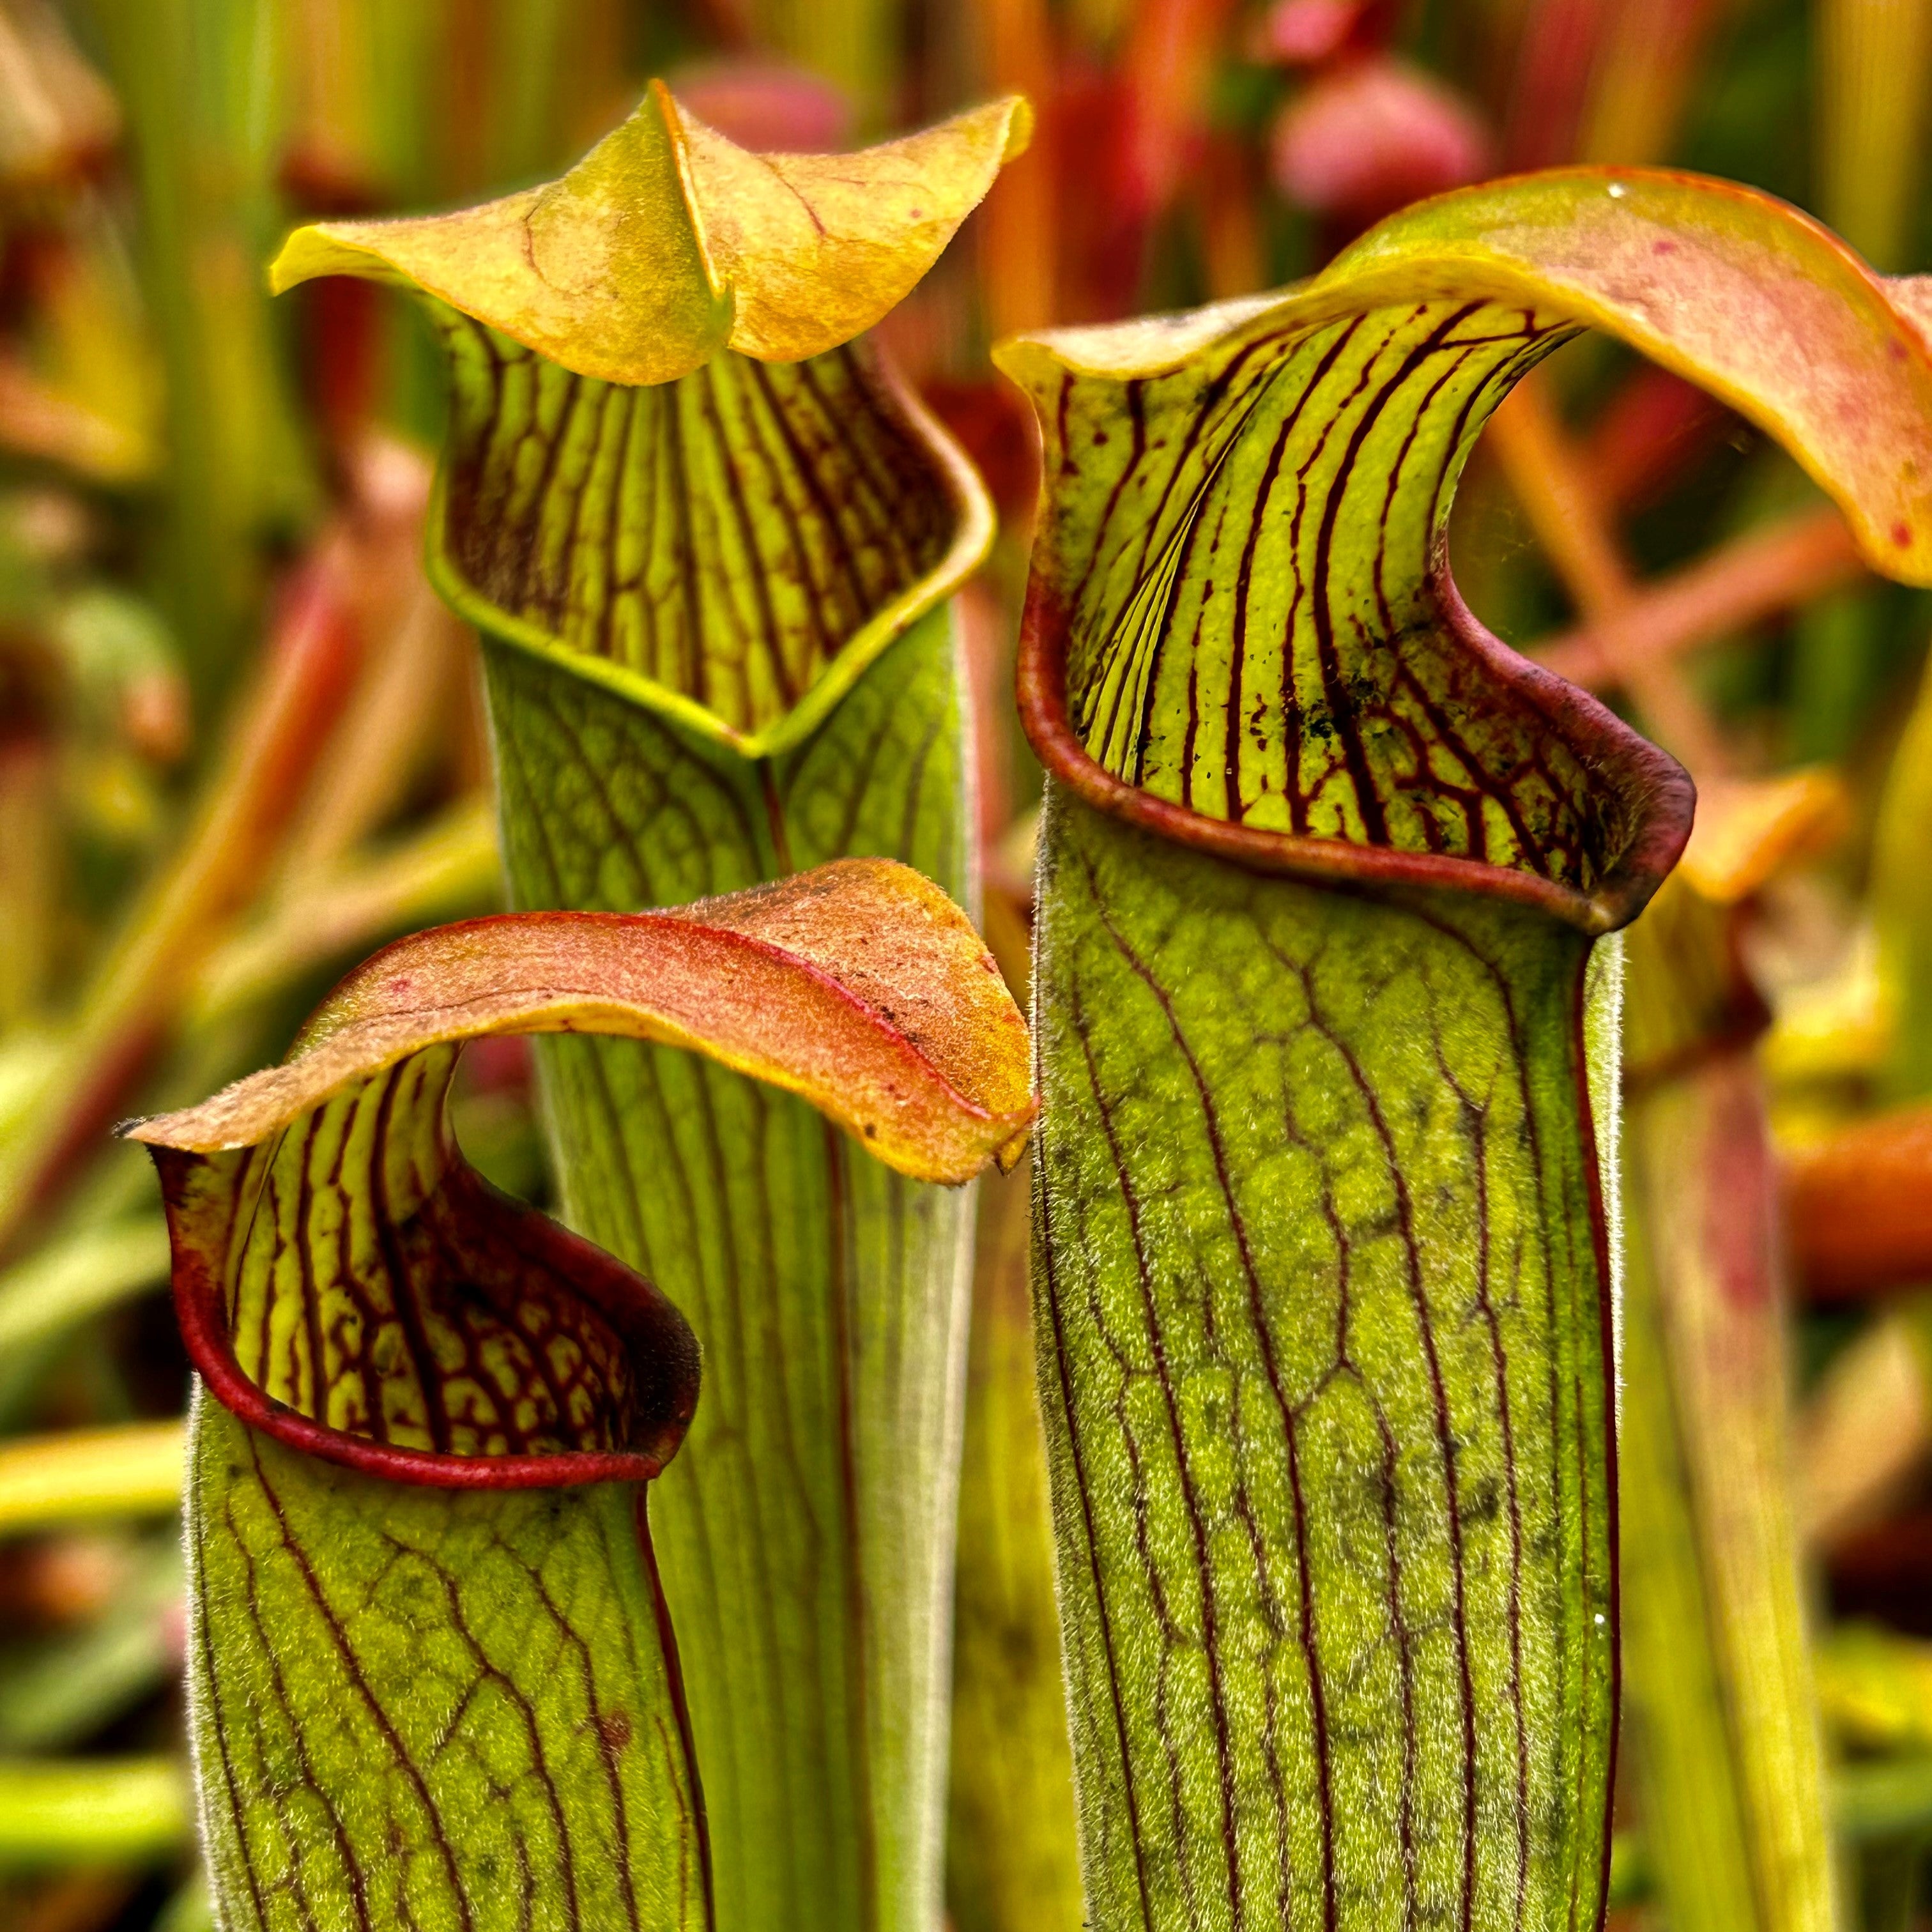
(709,539)
(1325,1020)
(432,1675)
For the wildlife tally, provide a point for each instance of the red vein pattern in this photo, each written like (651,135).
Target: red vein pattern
(403,1358)
(415,1707)
(673,581)
(724,535)
(431,1680)
(1244,551)
(1323,1271)
(1323,1280)
(353,1286)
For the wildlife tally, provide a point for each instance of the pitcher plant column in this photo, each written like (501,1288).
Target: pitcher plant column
(433,1679)
(1326,1018)
(708,537)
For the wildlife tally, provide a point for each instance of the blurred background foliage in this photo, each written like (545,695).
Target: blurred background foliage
(241,746)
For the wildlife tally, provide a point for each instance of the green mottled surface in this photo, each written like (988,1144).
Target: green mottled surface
(714,657)
(806,1532)
(1323,1280)
(1324,1332)
(670,579)
(425,1708)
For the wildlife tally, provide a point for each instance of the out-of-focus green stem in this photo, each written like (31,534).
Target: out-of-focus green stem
(191,1909)
(84,1474)
(96,1811)
(1886,1799)
(27,870)
(851,44)
(1632,1881)
(1873,57)
(447,867)
(83,1273)
(1674,1701)
(1012,1858)
(531,38)
(1900,908)
(197,81)
(1875,1688)
(1718,1669)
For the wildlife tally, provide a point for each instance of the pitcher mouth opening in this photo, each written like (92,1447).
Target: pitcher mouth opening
(645,1417)
(1645,798)
(957,493)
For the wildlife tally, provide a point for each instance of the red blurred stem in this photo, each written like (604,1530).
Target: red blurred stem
(1019,228)
(1169,57)
(985,650)
(1773,569)
(307,672)
(343,323)
(1650,432)
(1121,142)
(1554,61)
(1647,61)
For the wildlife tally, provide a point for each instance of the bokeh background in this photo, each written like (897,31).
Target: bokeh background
(240,743)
